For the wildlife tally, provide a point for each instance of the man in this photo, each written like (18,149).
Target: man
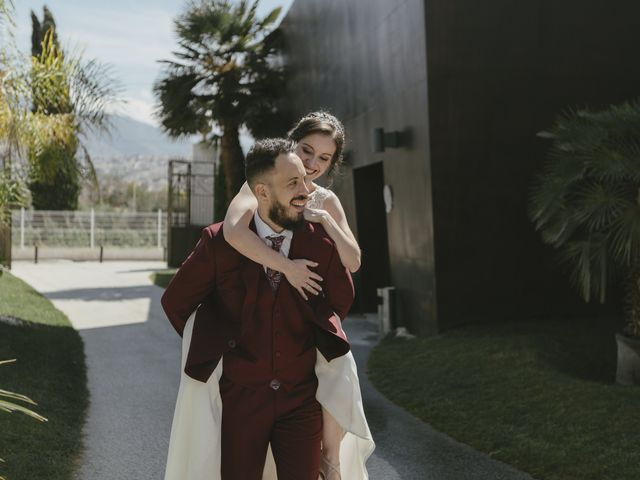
(264,331)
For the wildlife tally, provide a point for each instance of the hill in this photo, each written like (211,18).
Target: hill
(130,137)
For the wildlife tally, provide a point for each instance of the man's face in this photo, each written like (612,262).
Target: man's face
(288,192)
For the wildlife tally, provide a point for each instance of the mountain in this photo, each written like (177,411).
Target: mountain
(130,137)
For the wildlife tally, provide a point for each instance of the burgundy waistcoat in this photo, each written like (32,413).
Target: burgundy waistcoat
(278,345)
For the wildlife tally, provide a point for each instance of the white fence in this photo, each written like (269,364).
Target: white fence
(90,229)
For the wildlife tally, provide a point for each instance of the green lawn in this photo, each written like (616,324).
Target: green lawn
(539,395)
(163,277)
(50,369)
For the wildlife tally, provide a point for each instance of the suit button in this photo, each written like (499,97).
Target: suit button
(275,384)
(278,354)
(231,343)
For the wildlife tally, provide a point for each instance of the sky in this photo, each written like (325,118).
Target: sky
(130,36)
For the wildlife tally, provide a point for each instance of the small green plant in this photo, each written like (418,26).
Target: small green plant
(12,194)
(7,403)
(586,203)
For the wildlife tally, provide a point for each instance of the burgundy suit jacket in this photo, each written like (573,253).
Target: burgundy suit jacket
(223,285)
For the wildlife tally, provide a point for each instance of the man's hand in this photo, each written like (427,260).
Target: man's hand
(301,277)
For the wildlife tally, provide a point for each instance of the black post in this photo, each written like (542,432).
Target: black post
(188,194)
(169,208)
(36,254)
(5,243)
(101,252)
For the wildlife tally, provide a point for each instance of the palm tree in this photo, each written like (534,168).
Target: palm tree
(65,86)
(6,11)
(224,74)
(586,203)
(47,104)
(11,191)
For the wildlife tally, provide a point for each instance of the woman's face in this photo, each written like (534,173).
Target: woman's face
(316,151)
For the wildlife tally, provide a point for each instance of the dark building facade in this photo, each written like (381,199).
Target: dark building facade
(467,85)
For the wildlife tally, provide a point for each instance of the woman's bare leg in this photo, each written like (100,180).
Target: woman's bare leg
(332,434)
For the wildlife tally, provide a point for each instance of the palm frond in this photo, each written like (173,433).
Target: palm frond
(11,406)
(588,264)
(598,204)
(271,18)
(90,168)
(547,199)
(625,236)
(14,407)
(16,396)
(586,202)
(7,11)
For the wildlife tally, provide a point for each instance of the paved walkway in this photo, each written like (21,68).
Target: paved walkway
(133,358)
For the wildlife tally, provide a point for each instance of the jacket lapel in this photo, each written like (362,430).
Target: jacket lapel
(300,241)
(250,273)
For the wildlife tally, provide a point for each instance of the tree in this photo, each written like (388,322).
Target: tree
(225,73)
(40,29)
(220,199)
(586,203)
(60,190)
(47,105)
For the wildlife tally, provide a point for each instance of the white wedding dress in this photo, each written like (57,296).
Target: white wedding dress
(195,443)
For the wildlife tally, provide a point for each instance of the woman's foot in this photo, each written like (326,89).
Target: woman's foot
(328,470)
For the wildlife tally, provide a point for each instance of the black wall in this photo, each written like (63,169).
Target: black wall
(365,61)
(499,72)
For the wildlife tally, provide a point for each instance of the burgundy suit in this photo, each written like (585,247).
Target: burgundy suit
(269,342)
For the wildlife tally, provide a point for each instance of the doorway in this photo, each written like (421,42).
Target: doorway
(372,235)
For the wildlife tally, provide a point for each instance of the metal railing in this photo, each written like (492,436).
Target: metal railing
(89,228)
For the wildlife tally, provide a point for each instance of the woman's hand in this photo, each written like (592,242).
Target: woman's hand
(315,215)
(301,277)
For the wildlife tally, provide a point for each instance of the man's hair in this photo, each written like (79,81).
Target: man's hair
(262,157)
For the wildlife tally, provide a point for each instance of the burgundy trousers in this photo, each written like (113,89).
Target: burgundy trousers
(290,419)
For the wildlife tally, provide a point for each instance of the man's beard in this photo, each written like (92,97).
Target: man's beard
(278,215)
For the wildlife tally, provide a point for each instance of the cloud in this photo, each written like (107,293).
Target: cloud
(137,108)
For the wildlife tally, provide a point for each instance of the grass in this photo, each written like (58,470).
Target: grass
(50,369)
(162,278)
(539,395)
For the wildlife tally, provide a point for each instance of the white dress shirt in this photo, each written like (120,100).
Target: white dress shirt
(265,231)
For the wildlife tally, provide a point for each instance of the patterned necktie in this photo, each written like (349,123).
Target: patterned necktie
(273,275)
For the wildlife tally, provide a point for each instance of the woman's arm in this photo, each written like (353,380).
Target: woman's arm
(334,221)
(237,233)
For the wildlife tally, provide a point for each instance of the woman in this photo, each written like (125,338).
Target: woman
(320,139)
(193,453)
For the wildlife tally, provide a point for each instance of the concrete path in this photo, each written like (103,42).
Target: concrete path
(133,358)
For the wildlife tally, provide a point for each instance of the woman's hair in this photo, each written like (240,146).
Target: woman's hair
(325,124)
